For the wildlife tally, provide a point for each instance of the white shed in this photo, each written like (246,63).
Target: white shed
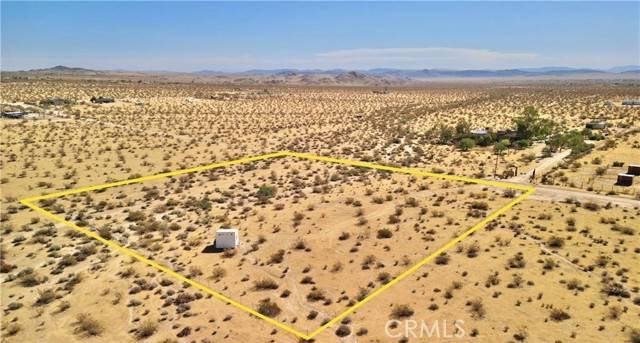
(227,238)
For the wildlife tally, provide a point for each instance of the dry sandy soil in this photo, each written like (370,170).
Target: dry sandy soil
(548,270)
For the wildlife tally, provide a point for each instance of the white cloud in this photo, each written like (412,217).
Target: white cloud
(430,57)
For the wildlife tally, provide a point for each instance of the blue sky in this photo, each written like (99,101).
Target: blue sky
(187,36)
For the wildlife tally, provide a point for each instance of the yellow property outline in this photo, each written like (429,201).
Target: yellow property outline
(527,191)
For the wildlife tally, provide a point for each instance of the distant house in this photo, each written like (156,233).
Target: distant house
(506,134)
(479,132)
(625,179)
(596,124)
(634,169)
(631,102)
(101,100)
(14,114)
(227,238)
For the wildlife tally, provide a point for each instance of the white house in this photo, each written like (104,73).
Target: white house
(227,238)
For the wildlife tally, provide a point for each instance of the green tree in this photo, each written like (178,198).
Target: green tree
(445,134)
(531,126)
(500,147)
(466,143)
(265,192)
(463,128)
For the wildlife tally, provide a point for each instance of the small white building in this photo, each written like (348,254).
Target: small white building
(227,238)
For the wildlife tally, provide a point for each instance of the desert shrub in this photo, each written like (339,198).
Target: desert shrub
(229,252)
(634,336)
(393,219)
(558,315)
(268,308)
(384,234)
(217,273)
(615,289)
(265,192)
(591,206)
(384,277)
(517,261)
(479,205)
(28,278)
(362,332)
(473,249)
(45,296)
(521,335)
(623,229)
(492,280)
(315,295)
(277,257)
(401,311)
(601,170)
(312,315)
(299,244)
(614,312)
(146,329)
(411,202)
(265,284)
(516,281)
(442,259)
(12,329)
(476,307)
(509,193)
(87,325)
(105,232)
(136,216)
(343,331)
(307,280)
(555,242)
(549,264)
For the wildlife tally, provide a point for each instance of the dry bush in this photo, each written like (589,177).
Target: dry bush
(87,325)
(555,242)
(476,307)
(401,311)
(343,331)
(265,284)
(146,329)
(384,234)
(558,315)
(268,308)
(217,273)
(442,259)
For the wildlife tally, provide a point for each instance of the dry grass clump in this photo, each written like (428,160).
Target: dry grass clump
(402,311)
(265,284)
(87,325)
(268,308)
(558,315)
(476,308)
(146,329)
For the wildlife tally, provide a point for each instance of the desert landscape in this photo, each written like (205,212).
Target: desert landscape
(316,237)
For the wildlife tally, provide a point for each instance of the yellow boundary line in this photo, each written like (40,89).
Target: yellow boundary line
(528,190)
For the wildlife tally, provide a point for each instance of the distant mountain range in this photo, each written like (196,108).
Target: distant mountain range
(434,73)
(377,76)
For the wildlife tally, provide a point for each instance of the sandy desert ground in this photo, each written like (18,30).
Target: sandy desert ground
(561,266)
